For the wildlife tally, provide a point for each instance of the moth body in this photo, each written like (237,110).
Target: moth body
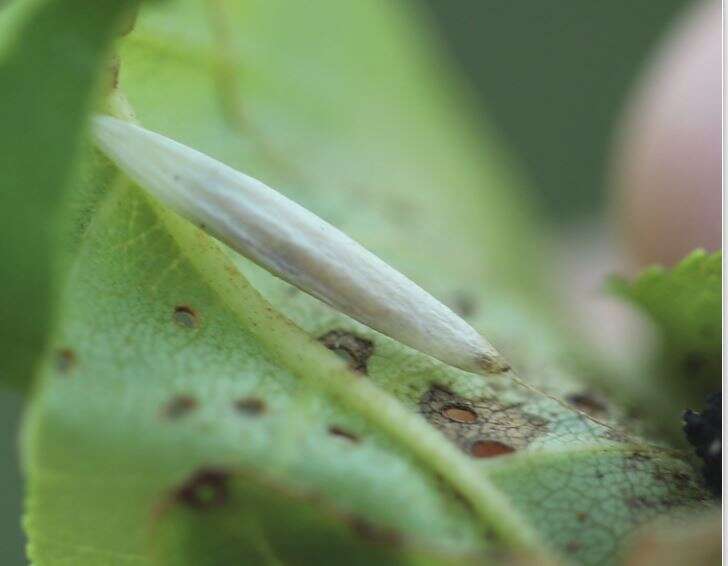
(294,244)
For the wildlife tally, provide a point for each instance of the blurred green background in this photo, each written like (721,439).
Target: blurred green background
(552,77)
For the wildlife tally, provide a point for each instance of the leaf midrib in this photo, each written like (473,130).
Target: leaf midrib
(310,361)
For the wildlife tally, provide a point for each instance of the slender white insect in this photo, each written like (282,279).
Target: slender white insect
(293,244)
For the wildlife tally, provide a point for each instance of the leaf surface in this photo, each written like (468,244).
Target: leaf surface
(685,305)
(51,58)
(195,410)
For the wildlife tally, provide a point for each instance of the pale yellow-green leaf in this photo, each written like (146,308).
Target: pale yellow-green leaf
(173,387)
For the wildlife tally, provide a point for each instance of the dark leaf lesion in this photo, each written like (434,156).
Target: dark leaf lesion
(65,361)
(482,428)
(354,349)
(185,316)
(251,406)
(590,403)
(179,406)
(204,489)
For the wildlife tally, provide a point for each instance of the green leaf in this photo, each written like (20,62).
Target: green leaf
(49,67)
(685,304)
(199,525)
(189,411)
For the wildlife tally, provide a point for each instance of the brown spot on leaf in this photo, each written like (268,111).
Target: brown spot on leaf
(205,489)
(588,403)
(185,316)
(460,414)
(467,421)
(582,517)
(250,406)
(489,449)
(354,349)
(342,433)
(179,406)
(573,546)
(65,360)
(372,533)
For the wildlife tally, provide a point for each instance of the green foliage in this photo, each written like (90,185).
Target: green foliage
(188,410)
(50,63)
(685,303)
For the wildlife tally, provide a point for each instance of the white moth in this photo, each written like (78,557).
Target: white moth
(293,244)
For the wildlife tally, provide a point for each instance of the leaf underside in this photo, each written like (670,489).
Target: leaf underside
(685,304)
(179,418)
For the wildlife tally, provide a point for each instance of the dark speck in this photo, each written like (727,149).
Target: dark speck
(65,360)
(179,406)
(250,406)
(372,533)
(588,403)
(342,433)
(205,489)
(185,316)
(352,348)
(489,449)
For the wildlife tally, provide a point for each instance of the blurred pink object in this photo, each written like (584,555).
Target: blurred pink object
(667,174)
